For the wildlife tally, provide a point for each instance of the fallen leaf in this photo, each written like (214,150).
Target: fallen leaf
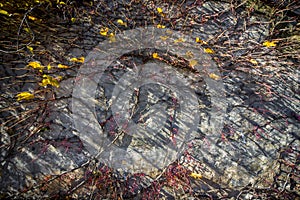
(179,40)
(196,175)
(159,10)
(270,44)
(61,66)
(78,60)
(59,78)
(198,40)
(119,21)
(209,51)
(32,18)
(4,12)
(27,30)
(169,32)
(30,49)
(49,67)
(189,55)
(36,65)
(112,37)
(24,96)
(73,19)
(49,80)
(103,31)
(155,56)
(164,37)
(160,26)
(253,61)
(193,63)
(214,76)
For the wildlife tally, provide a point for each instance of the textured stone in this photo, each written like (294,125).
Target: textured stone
(258,125)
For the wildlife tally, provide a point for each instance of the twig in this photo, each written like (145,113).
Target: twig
(19,31)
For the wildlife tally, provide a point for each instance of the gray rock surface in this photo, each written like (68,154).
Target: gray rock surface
(260,103)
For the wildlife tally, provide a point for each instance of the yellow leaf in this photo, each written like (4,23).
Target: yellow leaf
(214,76)
(253,61)
(155,56)
(30,49)
(73,19)
(179,40)
(27,30)
(49,66)
(36,65)
(198,40)
(59,78)
(4,12)
(32,18)
(169,32)
(78,60)
(160,26)
(119,21)
(49,80)
(24,96)
(112,37)
(195,175)
(189,55)
(104,31)
(62,3)
(208,50)
(159,10)
(193,63)
(164,37)
(61,66)
(270,44)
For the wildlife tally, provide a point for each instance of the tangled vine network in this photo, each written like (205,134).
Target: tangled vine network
(150,99)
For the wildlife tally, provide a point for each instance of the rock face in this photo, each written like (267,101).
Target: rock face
(155,95)
(165,111)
